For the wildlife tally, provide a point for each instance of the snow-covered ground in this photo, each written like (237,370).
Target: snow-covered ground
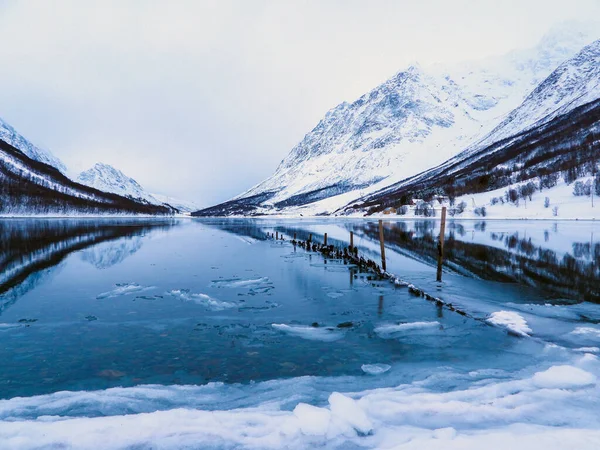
(562,205)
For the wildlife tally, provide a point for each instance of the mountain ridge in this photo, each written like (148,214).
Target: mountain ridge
(382,137)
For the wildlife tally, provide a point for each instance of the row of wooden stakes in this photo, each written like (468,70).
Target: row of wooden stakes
(350,253)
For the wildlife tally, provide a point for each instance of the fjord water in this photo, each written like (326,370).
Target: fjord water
(88,305)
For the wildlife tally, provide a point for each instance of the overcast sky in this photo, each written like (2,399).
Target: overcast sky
(202,99)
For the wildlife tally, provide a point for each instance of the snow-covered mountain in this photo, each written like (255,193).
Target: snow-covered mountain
(574,83)
(178,203)
(415,120)
(28,187)
(108,179)
(9,135)
(547,142)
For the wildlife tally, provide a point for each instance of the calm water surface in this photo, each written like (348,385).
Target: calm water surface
(90,304)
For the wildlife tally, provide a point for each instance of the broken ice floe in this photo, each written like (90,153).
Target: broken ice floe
(255,286)
(390,330)
(375,369)
(325,334)
(240,282)
(124,289)
(201,299)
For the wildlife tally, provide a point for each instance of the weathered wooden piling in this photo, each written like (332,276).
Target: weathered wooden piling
(277,235)
(310,237)
(441,245)
(325,239)
(294,236)
(381,243)
(352,239)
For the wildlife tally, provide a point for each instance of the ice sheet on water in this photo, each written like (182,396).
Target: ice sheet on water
(512,321)
(236,283)
(375,369)
(124,289)
(201,299)
(390,330)
(325,334)
(553,408)
(547,310)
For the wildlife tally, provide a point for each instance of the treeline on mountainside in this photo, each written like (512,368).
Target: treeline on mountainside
(39,188)
(567,147)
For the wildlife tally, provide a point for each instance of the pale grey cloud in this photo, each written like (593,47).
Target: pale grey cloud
(202,99)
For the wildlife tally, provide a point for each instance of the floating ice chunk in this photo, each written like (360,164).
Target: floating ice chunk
(239,282)
(588,349)
(587,331)
(375,369)
(391,329)
(512,321)
(314,421)
(201,299)
(349,411)
(124,289)
(325,334)
(563,377)
(335,294)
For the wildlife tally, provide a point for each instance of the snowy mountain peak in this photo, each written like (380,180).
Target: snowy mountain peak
(564,36)
(574,83)
(108,179)
(415,120)
(9,135)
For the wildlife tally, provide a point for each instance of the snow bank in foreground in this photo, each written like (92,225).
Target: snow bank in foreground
(559,377)
(556,408)
(512,321)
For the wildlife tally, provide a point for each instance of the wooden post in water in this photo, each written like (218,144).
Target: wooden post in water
(441,245)
(294,236)
(382,246)
(325,240)
(310,237)
(352,239)
(277,235)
